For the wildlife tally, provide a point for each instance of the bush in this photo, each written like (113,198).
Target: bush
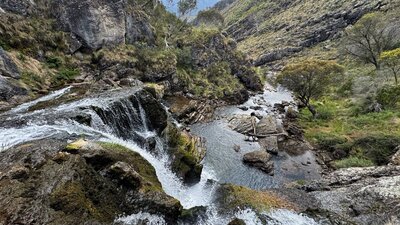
(330,142)
(353,161)
(64,76)
(53,62)
(379,148)
(389,96)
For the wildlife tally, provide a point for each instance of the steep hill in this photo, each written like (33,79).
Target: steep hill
(270,30)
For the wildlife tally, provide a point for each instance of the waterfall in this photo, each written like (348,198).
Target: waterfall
(120,118)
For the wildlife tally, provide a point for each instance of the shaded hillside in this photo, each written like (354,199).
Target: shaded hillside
(270,30)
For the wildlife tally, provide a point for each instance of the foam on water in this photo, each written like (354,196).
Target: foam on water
(54,95)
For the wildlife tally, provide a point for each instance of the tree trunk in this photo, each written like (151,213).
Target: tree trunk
(312,110)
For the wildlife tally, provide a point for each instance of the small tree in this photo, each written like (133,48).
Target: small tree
(309,79)
(369,37)
(209,17)
(186,6)
(391,59)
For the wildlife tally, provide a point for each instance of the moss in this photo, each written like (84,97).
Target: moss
(141,166)
(237,196)
(71,199)
(74,147)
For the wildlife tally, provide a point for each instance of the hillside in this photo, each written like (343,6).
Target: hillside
(270,30)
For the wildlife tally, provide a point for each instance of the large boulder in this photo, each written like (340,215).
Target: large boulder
(138,28)
(50,182)
(7,67)
(22,7)
(9,89)
(360,195)
(260,160)
(94,23)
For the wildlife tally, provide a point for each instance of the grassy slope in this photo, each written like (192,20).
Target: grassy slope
(281,23)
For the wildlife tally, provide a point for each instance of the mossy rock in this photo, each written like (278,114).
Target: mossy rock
(186,154)
(231,197)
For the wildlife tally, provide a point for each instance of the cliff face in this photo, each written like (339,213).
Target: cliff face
(270,30)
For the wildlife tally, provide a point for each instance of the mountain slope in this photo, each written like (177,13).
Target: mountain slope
(270,30)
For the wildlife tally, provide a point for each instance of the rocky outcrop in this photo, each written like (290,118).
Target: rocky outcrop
(50,182)
(187,152)
(22,7)
(260,160)
(93,23)
(243,124)
(360,195)
(9,75)
(279,30)
(138,28)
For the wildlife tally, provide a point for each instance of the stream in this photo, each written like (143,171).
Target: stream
(221,164)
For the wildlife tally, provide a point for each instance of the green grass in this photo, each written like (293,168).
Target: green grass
(353,161)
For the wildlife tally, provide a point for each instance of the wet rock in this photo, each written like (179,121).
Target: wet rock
(244,108)
(76,189)
(270,144)
(260,160)
(18,172)
(191,111)
(126,174)
(237,221)
(267,125)
(241,124)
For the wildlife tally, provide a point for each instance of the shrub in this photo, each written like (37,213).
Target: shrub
(53,62)
(389,96)
(353,161)
(378,148)
(64,76)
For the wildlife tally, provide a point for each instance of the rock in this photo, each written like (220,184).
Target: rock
(291,113)
(22,7)
(244,108)
(236,148)
(270,144)
(94,186)
(96,23)
(126,174)
(241,124)
(10,89)
(395,160)
(260,160)
(138,29)
(18,172)
(361,195)
(237,221)
(267,125)
(155,112)
(7,66)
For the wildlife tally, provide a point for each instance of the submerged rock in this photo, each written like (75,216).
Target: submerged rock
(94,186)
(260,160)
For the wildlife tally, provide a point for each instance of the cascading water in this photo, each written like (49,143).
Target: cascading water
(120,118)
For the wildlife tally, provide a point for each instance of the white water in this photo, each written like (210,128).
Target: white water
(201,194)
(54,95)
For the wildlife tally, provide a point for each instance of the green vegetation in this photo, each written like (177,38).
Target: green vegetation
(309,80)
(237,196)
(391,59)
(64,76)
(353,161)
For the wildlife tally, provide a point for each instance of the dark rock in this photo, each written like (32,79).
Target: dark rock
(237,221)
(10,89)
(157,116)
(7,66)
(94,23)
(260,160)
(244,108)
(22,7)
(70,189)
(138,29)
(277,55)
